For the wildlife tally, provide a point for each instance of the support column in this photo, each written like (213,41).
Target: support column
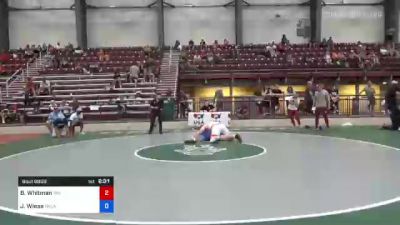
(391,9)
(81,23)
(160,23)
(4,38)
(315,20)
(239,21)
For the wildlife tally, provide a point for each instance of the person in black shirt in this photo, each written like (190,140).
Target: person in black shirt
(392,100)
(207,107)
(156,107)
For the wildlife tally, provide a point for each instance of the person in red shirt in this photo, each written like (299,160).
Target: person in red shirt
(30,91)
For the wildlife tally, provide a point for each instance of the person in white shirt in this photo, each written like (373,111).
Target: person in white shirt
(293,109)
(76,119)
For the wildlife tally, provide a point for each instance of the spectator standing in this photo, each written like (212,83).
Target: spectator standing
(370,93)
(308,97)
(156,108)
(276,93)
(177,45)
(392,98)
(335,100)
(116,80)
(284,40)
(226,42)
(330,43)
(134,74)
(30,91)
(321,105)
(218,100)
(191,44)
(293,109)
(203,43)
(207,107)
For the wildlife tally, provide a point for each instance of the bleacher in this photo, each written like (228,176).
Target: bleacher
(97,101)
(252,58)
(120,59)
(94,93)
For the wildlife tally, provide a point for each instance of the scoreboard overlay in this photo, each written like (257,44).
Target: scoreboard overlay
(66,194)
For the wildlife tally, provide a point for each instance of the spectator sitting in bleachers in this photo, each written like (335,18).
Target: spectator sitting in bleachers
(210,58)
(215,45)
(328,58)
(196,59)
(324,43)
(82,69)
(44,88)
(8,114)
(103,56)
(52,105)
(290,59)
(28,52)
(58,46)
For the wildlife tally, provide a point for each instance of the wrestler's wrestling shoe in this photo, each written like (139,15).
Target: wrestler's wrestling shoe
(238,138)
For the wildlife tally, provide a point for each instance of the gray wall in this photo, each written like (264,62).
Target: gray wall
(353,23)
(121,27)
(195,23)
(38,27)
(260,24)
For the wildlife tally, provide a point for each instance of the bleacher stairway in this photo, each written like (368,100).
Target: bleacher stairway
(17,87)
(169,72)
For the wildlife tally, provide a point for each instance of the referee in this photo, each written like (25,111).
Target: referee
(156,107)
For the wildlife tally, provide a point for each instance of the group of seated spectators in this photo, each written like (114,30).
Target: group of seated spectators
(360,55)
(63,119)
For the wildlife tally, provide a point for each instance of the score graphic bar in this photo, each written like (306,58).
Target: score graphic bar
(66,194)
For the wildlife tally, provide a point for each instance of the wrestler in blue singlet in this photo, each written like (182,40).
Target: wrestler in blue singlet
(205,135)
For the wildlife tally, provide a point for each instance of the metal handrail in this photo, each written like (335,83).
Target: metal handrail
(11,79)
(170,60)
